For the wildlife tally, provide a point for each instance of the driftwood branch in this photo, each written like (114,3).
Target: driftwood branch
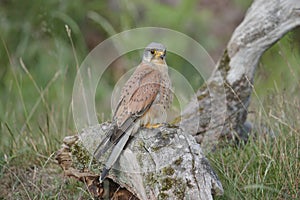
(264,24)
(168,163)
(157,163)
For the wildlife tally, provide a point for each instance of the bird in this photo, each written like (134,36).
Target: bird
(144,101)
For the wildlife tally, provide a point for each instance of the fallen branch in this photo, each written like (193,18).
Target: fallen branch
(232,81)
(167,163)
(157,163)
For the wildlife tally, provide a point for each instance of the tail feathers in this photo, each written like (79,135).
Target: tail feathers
(105,144)
(103,174)
(115,154)
(102,148)
(113,135)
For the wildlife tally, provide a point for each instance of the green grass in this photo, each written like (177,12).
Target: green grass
(268,166)
(32,128)
(38,67)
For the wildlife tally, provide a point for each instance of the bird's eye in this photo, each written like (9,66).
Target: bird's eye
(152,51)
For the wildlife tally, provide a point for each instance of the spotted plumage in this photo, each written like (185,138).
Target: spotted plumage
(143,102)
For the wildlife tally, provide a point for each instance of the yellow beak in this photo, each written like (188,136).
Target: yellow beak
(159,54)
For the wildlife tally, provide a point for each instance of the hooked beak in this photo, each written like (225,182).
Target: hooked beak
(159,54)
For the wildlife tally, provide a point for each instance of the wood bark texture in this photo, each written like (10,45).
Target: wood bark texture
(167,162)
(161,163)
(221,109)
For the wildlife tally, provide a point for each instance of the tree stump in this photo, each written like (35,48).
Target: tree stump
(161,163)
(167,162)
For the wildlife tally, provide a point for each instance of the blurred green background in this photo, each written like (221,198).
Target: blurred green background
(39,61)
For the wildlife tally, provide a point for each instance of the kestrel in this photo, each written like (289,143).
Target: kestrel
(143,102)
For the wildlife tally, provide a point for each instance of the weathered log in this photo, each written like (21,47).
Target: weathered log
(169,162)
(162,163)
(264,24)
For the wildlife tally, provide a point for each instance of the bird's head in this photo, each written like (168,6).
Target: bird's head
(155,53)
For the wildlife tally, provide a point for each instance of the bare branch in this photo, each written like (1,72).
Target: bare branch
(264,24)
(167,163)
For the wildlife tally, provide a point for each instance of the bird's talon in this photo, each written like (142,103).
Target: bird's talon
(151,126)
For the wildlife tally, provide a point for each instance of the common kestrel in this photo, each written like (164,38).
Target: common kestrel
(143,102)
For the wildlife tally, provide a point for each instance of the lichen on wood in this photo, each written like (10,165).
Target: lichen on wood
(167,162)
(170,164)
(264,24)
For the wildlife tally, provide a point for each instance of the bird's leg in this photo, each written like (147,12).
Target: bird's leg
(148,125)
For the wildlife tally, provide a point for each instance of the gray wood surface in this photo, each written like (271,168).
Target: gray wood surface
(168,163)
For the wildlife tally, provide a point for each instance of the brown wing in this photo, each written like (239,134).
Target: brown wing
(166,97)
(138,94)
